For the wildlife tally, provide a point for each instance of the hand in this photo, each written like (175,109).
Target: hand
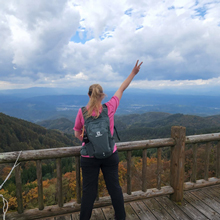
(136,67)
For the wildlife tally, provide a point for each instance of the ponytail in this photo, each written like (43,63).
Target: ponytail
(96,96)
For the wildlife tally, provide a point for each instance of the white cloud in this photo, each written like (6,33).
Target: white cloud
(177,40)
(181,84)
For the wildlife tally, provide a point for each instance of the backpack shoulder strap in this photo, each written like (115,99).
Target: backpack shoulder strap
(84,110)
(117,133)
(105,107)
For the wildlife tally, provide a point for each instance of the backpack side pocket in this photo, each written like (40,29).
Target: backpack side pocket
(89,149)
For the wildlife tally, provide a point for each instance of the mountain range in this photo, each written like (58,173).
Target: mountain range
(148,125)
(39,108)
(17,134)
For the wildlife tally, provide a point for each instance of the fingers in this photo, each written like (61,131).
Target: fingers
(140,64)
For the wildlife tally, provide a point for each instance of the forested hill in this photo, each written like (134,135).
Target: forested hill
(61,124)
(17,134)
(149,125)
(162,128)
(189,121)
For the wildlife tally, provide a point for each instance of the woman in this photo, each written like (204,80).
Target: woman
(109,166)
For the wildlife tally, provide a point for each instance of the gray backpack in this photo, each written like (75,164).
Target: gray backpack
(97,136)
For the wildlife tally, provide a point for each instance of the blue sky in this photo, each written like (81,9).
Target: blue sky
(72,44)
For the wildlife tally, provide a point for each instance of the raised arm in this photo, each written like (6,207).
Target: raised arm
(127,82)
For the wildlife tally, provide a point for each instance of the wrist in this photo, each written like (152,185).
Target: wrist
(133,73)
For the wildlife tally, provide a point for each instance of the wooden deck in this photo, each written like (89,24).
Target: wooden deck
(198,204)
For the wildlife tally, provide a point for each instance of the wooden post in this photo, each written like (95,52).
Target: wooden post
(177,163)
(159,168)
(144,171)
(129,172)
(194,168)
(207,156)
(78,180)
(218,161)
(19,189)
(40,185)
(59,183)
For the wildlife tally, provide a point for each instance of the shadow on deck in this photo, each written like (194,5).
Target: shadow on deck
(200,204)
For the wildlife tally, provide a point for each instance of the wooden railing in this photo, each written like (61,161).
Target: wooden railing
(177,143)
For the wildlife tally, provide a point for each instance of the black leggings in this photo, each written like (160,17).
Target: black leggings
(90,173)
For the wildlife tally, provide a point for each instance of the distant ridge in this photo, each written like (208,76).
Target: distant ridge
(45,107)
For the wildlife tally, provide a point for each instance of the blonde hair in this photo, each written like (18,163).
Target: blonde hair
(96,96)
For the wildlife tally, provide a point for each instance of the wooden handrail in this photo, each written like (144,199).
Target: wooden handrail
(10,157)
(176,142)
(193,139)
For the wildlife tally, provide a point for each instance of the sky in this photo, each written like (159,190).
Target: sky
(73,44)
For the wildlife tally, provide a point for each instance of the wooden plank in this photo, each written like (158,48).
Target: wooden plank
(207,156)
(97,214)
(218,161)
(216,188)
(108,212)
(129,172)
(202,207)
(156,209)
(40,185)
(146,210)
(194,168)
(214,194)
(159,168)
(59,182)
(130,213)
(208,200)
(75,216)
(78,180)
(19,189)
(144,171)
(52,218)
(177,162)
(191,211)
(142,211)
(172,208)
(64,217)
